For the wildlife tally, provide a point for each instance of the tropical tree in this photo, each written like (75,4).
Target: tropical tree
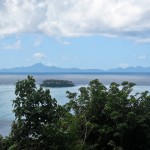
(111,118)
(36,117)
(95,118)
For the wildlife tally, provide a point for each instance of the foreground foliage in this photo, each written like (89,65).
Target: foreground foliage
(97,118)
(111,118)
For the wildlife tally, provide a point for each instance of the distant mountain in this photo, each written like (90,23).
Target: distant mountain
(40,68)
(130,69)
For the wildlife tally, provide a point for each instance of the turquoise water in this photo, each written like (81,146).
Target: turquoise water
(7,95)
(7,89)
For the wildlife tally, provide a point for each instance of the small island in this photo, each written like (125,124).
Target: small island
(57,83)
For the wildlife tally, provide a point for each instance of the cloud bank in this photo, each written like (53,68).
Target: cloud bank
(73,18)
(39,56)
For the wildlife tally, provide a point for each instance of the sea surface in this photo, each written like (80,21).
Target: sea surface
(7,89)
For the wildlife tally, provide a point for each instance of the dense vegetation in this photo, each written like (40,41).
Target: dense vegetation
(57,83)
(97,118)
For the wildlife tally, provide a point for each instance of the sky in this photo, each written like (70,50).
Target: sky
(86,34)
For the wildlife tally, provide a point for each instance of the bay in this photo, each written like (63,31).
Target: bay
(7,89)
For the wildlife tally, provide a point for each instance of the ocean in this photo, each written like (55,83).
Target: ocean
(7,89)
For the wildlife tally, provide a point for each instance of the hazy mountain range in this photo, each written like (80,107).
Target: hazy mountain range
(40,68)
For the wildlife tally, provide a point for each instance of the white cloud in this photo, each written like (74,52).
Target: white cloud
(142,57)
(16,45)
(62,41)
(143,40)
(65,42)
(127,18)
(39,56)
(123,65)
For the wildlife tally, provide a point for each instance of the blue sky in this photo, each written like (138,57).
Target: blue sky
(98,34)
